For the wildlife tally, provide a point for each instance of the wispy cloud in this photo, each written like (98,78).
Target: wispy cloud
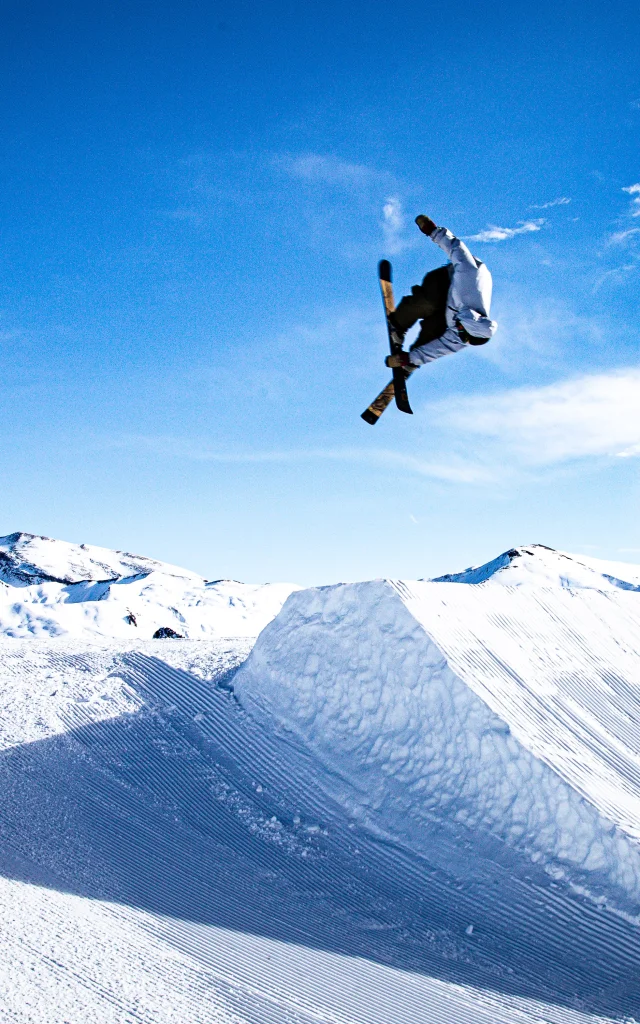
(497,234)
(632,452)
(589,416)
(614,275)
(622,237)
(478,441)
(328,170)
(451,470)
(634,190)
(367,200)
(393,226)
(626,238)
(535,331)
(561,201)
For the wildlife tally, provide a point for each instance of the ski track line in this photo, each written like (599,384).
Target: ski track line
(480,653)
(85,963)
(561,907)
(231,740)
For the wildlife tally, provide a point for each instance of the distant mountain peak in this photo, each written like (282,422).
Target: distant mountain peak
(54,588)
(27,559)
(544,566)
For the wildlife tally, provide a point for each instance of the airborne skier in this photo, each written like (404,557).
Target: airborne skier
(453,303)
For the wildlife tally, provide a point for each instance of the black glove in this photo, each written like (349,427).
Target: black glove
(426,225)
(397,360)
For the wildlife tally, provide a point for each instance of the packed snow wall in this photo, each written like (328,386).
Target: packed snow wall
(469,722)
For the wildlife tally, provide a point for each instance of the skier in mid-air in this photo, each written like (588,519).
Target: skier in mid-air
(453,303)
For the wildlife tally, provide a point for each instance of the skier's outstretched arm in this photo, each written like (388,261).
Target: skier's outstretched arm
(468,301)
(455,249)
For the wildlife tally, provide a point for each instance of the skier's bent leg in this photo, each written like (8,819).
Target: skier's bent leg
(426,299)
(410,309)
(431,327)
(435,349)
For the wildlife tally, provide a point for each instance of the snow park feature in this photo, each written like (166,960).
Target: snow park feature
(385,801)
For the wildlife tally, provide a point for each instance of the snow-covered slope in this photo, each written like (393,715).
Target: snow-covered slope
(52,588)
(406,801)
(26,559)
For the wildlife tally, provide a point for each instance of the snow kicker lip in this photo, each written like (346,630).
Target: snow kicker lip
(506,710)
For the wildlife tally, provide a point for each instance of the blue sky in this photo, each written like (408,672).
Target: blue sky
(193,202)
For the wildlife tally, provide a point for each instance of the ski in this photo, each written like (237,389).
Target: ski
(374,411)
(395,343)
(398,387)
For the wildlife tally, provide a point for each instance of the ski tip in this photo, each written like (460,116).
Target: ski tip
(370,417)
(384,270)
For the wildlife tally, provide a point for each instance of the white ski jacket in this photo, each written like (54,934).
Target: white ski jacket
(468,302)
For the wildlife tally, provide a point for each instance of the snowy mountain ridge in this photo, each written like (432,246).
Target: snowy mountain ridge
(539,565)
(26,559)
(52,588)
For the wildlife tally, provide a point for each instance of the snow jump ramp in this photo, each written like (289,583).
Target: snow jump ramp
(486,732)
(410,802)
(505,710)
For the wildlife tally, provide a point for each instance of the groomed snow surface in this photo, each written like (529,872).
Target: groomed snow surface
(403,802)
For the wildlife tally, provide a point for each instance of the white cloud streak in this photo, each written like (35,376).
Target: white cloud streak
(590,416)
(537,331)
(615,276)
(621,237)
(328,170)
(561,201)
(634,190)
(450,470)
(393,225)
(632,452)
(363,187)
(480,441)
(497,234)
